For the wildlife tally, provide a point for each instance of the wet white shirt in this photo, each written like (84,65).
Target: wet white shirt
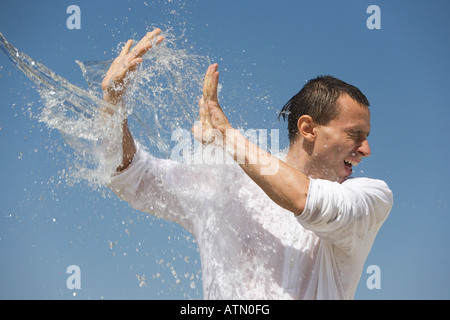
(250,247)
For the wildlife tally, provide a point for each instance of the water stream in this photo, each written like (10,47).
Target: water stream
(161,97)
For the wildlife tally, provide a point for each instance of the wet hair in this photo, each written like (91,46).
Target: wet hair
(318,99)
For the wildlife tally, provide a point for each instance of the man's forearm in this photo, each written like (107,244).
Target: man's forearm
(128,147)
(285,185)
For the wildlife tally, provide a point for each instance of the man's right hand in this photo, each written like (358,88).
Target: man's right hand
(113,84)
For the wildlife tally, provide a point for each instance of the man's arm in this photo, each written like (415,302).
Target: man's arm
(286,186)
(113,85)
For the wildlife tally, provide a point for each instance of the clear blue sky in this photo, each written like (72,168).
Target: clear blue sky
(273,47)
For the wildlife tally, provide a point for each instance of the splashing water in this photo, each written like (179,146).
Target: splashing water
(161,97)
(76,114)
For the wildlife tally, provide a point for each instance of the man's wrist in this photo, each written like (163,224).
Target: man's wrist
(112,99)
(235,144)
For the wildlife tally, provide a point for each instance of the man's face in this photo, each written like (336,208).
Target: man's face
(342,143)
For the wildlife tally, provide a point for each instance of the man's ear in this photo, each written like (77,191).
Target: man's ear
(306,128)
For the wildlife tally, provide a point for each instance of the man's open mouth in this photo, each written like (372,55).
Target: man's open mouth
(351,163)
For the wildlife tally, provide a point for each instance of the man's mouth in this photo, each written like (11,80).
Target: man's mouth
(350,162)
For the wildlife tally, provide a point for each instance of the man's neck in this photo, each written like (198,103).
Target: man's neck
(300,158)
(297,157)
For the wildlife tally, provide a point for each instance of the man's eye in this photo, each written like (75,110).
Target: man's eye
(357,136)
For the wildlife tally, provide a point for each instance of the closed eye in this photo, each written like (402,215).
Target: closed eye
(356,134)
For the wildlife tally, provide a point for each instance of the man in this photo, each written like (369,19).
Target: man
(301,232)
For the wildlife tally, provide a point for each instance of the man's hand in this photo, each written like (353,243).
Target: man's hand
(113,84)
(211,115)
(286,186)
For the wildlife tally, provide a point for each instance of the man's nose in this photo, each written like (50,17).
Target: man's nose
(364,149)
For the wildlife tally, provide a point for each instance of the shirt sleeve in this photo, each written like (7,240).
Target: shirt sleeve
(346,214)
(164,188)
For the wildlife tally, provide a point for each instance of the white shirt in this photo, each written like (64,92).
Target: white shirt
(250,247)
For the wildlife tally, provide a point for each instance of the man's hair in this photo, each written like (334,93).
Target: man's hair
(318,99)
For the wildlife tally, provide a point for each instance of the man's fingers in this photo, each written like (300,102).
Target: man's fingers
(143,45)
(159,39)
(208,79)
(142,49)
(133,58)
(150,36)
(144,40)
(126,47)
(213,86)
(208,83)
(147,42)
(134,64)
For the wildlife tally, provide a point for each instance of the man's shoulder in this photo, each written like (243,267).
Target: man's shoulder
(370,186)
(365,181)
(357,183)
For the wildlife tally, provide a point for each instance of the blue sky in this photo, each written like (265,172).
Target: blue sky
(265,49)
